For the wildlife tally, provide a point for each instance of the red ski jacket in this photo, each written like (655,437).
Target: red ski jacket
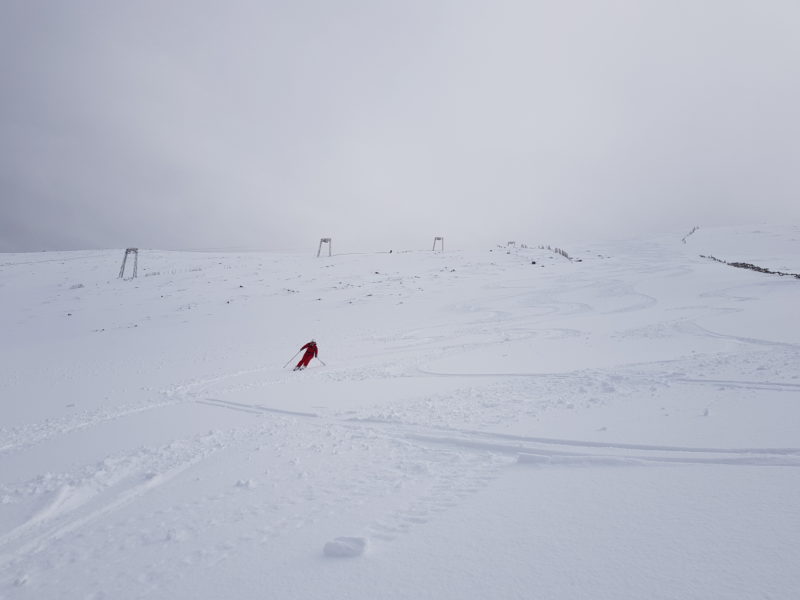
(311,349)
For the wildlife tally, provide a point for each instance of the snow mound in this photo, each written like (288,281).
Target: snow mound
(345,547)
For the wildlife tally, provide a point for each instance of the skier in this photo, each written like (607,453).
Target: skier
(311,353)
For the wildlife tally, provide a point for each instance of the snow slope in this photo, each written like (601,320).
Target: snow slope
(487,426)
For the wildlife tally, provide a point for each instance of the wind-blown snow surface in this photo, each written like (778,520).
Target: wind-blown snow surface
(627,426)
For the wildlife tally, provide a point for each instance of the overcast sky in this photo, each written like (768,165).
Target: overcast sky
(266,125)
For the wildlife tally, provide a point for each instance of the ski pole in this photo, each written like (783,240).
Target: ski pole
(323,362)
(291,359)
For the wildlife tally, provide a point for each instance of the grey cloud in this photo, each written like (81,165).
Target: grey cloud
(266,125)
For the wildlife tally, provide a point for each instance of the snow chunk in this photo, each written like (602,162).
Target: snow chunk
(345,547)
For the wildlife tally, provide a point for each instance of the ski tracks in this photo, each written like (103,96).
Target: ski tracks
(26,436)
(68,502)
(566,453)
(396,469)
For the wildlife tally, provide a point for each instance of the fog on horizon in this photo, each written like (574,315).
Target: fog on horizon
(267,125)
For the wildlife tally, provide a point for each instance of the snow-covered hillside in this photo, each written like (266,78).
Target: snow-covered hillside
(503,423)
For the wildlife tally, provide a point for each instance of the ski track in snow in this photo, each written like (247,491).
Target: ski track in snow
(76,502)
(76,499)
(26,436)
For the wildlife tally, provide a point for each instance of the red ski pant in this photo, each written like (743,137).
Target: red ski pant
(306,358)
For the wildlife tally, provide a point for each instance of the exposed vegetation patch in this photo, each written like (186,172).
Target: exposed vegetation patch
(695,228)
(752,267)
